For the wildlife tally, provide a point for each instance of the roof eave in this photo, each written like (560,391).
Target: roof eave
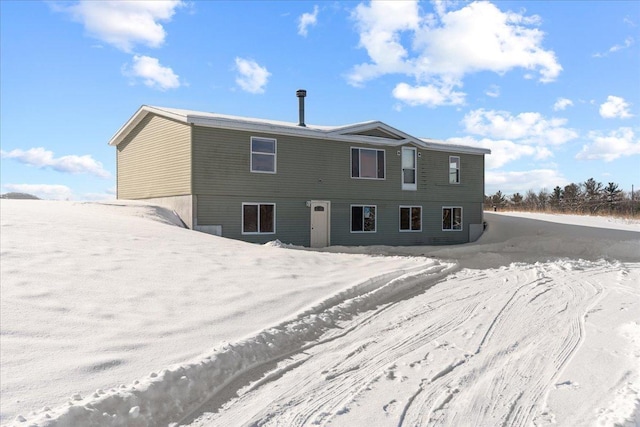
(453,148)
(137,117)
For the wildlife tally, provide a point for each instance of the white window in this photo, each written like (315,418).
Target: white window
(363,219)
(410,218)
(451,219)
(409,159)
(258,218)
(263,155)
(367,163)
(454,170)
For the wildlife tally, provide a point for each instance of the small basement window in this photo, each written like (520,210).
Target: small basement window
(363,219)
(258,218)
(451,219)
(410,218)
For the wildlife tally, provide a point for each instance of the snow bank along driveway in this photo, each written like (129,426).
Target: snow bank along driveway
(532,333)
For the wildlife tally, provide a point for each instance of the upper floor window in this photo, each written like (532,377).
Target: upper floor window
(454,170)
(263,155)
(409,160)
(367,163)
(451,219)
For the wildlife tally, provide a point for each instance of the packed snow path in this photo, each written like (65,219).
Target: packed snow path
(480,348)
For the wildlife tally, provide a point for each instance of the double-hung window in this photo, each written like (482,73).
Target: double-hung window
(258,218)
(363,219)
(263,155)
(451,219)
(409,160)
(454,170)
(410,218)
(367,163)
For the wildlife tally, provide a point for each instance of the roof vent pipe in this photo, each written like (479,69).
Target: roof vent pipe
(301,93)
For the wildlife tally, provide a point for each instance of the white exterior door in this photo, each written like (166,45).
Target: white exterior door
(320,214)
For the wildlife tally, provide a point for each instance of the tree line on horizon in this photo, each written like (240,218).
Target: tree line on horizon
(590,197)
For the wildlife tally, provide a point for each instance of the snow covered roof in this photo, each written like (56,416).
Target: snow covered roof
(356,133)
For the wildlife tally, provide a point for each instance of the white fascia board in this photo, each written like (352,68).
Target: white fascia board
(453,148)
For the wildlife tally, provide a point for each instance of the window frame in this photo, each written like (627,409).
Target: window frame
(377,150)
(258,204)
(453,208)
(409,186)
(375,221)
(410,207)
(457,170)
(274,154)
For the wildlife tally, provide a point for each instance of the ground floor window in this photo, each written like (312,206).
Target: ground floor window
(451,219)
(410,218)
(363,219)
(258,218)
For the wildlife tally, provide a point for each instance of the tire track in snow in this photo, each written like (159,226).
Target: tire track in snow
(528,374)
(470,351)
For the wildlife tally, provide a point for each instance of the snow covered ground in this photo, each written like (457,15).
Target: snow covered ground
(110,314)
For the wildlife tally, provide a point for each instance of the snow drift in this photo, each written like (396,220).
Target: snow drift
(96,293)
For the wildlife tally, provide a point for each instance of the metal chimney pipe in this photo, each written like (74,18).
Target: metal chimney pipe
(301,93)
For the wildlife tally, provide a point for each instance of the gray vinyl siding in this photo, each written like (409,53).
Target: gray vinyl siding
(154,160)
(293,221)
(315,169)
(321,170)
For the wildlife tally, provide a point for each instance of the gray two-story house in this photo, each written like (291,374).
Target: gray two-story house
(260,180)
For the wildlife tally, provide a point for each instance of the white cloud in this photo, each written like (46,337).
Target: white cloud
(618,143)
(503,151)
(41,158)
(530,128)
(430,95)
(307,20)
(562,103)
(520,181)
(124,24)
(380,25)
(449,45)
(252,77)
(615,107)
(152,73)
(628,42)
(43,191)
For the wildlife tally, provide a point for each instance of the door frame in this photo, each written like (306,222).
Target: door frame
(327,205)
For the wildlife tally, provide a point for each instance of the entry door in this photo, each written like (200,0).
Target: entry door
(320,213)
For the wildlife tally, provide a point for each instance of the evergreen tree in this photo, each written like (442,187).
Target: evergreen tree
(556,198)
(613,195)
(498,200)
(593,195)
(516,199)
(543,199)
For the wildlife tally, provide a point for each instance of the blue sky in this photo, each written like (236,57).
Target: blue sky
(551,87)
